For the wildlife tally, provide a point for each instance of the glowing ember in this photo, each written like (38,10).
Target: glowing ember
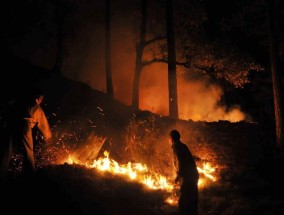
(207,171)
(172,200)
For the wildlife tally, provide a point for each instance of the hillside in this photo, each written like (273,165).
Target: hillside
(86,123)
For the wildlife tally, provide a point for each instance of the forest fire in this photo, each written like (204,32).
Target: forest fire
(134,171)
(197,100)
(140,173)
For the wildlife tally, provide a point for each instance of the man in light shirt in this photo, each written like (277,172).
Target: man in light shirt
(23,116)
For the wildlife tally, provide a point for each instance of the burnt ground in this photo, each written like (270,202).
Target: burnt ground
(247,165)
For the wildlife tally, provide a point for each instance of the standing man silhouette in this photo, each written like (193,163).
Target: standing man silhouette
(186,175)
(22,116)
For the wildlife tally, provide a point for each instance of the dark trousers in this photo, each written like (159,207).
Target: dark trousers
(20,139)
(188,200)
(6,151)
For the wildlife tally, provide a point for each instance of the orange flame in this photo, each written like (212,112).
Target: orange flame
(140,173)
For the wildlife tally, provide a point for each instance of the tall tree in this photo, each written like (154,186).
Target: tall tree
(158,40)
(59,28)
(141,45)
(139,55)
(274,67)
(172,77)
(60,12)
(193,50)
(265,26)
(109,83)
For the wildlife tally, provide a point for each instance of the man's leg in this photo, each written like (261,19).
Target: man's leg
(28,157)
(188,201)
(6,150)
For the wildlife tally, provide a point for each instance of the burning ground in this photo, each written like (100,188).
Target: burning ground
(106,158)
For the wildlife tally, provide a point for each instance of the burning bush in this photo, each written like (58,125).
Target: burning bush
(143,143)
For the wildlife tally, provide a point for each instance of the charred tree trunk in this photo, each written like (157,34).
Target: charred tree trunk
(109,83)
(139,56)
(274,66)
(60,16)
(172,79)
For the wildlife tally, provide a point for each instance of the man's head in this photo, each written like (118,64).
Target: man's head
(37,95)
(39,99)
(174,136)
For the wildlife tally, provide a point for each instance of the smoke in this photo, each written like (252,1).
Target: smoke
(198,100)
(84,61)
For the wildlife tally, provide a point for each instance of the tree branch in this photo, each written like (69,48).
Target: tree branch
(157,60)
(208,69)
(154,39)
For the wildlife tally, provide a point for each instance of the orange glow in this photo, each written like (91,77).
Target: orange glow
(197,100)
(207,170)
(141,174)
(134,171)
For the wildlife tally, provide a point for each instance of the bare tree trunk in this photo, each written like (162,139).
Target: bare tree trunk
(109,84)
(274,61)
(60,16)
(139,56)
(172,79)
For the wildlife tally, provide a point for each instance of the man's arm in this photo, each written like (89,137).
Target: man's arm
(177,163)
(43,126)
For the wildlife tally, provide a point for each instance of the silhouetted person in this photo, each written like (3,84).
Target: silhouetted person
(186,175)
(24,114)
